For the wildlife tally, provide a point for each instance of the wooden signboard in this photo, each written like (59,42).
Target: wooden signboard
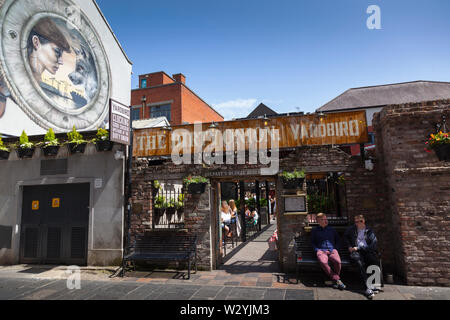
(277,132)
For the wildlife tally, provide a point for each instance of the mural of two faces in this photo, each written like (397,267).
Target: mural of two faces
(53,65)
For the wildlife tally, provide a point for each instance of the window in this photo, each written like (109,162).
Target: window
(144,83)
(161,111)
(135,113)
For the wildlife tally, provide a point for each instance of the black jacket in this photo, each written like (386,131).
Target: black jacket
(351,236)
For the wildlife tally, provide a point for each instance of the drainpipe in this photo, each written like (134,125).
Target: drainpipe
(128,198)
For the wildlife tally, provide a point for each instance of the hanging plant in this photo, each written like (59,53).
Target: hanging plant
(25,148)
(179,204)
(196,184)
(170,206)
(102,142)
(159,205)
(76,142)
(4,151)
(440,143)
(51,144)
(293,179)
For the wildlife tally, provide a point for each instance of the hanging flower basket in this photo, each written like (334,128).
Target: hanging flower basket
(170,210)
(296,183)
(443,152)
(440,143)
(196,185)
(196,188)
(158,211)
(76,147)
(50,150)
(104,145)
(4,155)
(293,180)
(25,152)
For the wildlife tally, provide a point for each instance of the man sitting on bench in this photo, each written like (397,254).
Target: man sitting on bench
(325,242)
(362,244)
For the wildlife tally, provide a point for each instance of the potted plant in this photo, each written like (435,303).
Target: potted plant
(156,187)
(440,143)
(179,204)
(76,142)
(102,142)
(25,148)
(159,205)
(293,180)
(196,184)
(170,206)
(51,144)
(4,151)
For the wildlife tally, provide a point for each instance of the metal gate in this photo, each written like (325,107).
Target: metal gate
(55,222)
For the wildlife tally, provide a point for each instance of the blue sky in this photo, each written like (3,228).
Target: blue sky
(290,55)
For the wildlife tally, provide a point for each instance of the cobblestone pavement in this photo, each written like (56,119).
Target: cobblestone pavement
(250,273)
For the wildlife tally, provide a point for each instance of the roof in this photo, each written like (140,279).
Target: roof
(150,123)
(382,95)
(260,111)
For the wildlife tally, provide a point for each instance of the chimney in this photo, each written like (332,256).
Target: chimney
(179,77)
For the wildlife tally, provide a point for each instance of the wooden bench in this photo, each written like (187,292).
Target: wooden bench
(305,255)
(163,248)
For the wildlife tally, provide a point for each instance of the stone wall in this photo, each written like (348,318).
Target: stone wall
(418,188)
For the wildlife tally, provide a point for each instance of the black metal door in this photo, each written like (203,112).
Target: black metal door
(55,220)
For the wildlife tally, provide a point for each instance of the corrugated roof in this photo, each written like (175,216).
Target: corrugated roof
(150,123)
(398,93)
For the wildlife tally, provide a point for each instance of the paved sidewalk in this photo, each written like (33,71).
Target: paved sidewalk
(248,274)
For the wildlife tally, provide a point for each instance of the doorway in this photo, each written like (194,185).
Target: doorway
(55,223)
(249,197)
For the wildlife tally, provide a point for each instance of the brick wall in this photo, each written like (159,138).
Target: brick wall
(186,106)
(363,196)
(418,185)
(194,109)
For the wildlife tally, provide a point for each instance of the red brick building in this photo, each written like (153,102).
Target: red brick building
(161,95)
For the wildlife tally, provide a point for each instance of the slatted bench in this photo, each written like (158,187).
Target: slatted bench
(180,248)
(305,255)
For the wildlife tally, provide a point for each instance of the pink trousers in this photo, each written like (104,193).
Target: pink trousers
(334,271)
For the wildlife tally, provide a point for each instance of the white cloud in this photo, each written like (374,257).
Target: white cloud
(238,108)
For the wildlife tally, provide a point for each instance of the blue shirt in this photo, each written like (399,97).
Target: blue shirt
(324,239)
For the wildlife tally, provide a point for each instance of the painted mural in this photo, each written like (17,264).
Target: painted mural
(53,65)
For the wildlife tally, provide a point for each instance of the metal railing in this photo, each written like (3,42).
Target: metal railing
(168,205)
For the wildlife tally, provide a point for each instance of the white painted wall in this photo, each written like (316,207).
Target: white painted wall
(15,120)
